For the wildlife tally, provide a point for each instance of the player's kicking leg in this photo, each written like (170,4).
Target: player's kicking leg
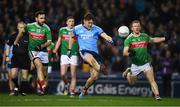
(91,80)
(94,70)
(95,62)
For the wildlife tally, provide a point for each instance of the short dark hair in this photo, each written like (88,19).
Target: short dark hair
(40,12)
(69,17)
(88,16)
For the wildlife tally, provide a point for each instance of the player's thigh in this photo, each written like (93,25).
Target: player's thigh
(73,70)
(14,72)
(63,69)
(38,63)
(150,75)
(88,57)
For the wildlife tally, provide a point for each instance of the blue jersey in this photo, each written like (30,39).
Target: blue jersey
(87,38)
(10,55)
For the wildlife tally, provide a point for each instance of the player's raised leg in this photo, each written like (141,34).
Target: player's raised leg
(93,76)
(91,80)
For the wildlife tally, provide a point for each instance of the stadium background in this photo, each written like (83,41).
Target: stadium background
(156,16)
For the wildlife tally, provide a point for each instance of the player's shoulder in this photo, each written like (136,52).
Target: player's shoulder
(78,26)
(95,26)
(129,37)
(46,26)
(62,28)
(31,24)
(144,34)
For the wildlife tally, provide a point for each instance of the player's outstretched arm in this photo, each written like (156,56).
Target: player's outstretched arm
(166,37)
(107,38)
(158,39)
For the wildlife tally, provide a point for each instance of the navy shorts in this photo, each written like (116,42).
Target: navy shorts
(98,58)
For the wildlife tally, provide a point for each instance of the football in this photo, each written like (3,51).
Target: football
(123,31)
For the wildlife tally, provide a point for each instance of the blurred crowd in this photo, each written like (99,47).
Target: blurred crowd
(156,16)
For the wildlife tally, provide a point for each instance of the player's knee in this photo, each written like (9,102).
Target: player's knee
(13,75)
(73,76)
(63,76)
(95,77)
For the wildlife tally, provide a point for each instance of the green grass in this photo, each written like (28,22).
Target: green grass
(53,100)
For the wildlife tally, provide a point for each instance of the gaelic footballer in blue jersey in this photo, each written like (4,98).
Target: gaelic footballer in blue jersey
(88,35)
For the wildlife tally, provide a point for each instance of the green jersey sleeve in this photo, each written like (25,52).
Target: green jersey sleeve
(148,38)
(60,33)
(127,43)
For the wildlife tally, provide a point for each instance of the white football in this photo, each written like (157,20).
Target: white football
(123,31)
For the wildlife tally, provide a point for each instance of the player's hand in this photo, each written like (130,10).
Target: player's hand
(54,51)
(38,48)
(110,42)
(69,53)
(131,52)
(16,45)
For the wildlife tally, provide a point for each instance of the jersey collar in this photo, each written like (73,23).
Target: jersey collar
(38,25)
(137,35)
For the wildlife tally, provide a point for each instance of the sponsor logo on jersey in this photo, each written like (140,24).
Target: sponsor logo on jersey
(142,44)
(66,37)
(36,35)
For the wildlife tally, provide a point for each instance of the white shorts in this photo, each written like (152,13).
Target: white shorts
(66,60)
(43,56)
(138,69)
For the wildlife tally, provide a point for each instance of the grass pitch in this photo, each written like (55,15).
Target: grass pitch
(54,100)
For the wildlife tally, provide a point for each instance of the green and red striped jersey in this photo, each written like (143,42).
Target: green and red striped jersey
(38,35)
(139,45)
(64,35)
